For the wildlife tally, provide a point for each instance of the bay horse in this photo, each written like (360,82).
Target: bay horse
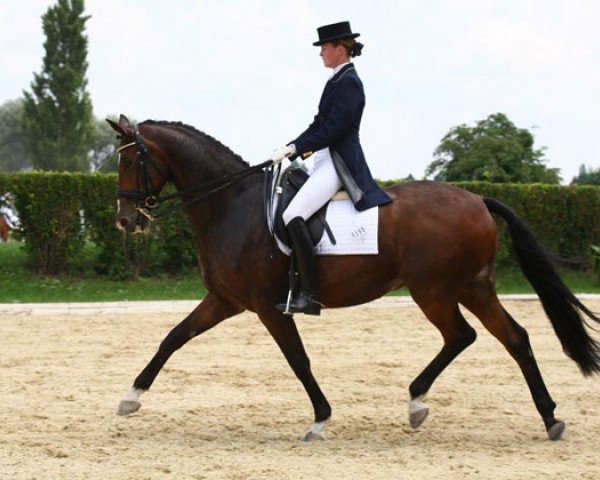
(438,241)
(4,228)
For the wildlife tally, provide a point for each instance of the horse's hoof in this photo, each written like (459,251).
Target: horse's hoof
(315,433)
(312,437)
(128,407)
(418,417)
(417,411)
(556,431)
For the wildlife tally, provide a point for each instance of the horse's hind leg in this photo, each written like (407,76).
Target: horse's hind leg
(283,330)
(516,341)
(457,335)
(209,313)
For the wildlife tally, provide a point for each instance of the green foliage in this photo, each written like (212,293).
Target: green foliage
(99,206)
(49,212)
(176,244)
(14,153)
(19,285)
(168,247)
(564,219)
(103,152)
(495,150)
(58,119)
(587,177)
(58,211)
(394,181)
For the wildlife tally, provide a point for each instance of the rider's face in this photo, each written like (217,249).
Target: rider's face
(333,55)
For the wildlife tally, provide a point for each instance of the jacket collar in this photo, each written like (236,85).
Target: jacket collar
(345,69)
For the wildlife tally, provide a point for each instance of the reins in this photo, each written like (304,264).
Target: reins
(214,186)
(150,201)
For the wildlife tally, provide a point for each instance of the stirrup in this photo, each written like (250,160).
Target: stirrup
(285,307)
(303,303)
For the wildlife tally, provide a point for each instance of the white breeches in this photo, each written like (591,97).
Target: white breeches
(322,184)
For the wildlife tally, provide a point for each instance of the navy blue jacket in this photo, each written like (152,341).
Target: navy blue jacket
(336,126)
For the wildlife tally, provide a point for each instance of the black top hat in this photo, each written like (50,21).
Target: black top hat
(335,31)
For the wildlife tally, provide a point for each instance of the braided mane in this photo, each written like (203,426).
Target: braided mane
(195,133)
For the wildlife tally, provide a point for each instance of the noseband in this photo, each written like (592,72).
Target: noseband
(146,199)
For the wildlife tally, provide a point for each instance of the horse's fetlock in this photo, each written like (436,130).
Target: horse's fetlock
(323,414)
(418,388)
(546,408)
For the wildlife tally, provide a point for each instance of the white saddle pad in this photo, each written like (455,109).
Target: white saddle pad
(355,232)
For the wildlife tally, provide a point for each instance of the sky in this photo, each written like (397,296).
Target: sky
(246,72)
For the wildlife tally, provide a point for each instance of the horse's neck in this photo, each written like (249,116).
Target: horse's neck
(194,157)
(228,222)
(215,167)
(235,211)
(192,171)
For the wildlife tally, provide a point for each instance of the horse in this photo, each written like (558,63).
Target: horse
(4,228)
(436,240)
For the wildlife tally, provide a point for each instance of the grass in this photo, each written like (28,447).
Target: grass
(579,282)
(17,285)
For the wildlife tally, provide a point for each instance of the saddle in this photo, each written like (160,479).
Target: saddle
(291,181)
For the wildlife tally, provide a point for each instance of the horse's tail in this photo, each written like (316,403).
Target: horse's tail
(566,313)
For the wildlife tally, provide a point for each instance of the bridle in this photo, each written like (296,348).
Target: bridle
(146,200)
(143,196)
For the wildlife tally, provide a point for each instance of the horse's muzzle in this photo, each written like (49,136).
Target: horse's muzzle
(132,222)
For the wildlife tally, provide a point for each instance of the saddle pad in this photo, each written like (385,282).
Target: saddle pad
(355,232)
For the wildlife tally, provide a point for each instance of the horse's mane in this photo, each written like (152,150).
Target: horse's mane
(194,132)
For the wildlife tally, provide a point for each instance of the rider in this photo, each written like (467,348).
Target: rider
(333,139)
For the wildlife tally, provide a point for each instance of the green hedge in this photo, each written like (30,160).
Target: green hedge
(60,211)
(565,219)
(48,206)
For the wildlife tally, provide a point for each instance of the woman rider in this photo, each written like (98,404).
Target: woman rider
(333,139)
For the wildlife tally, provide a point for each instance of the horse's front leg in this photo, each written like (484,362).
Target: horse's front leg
(209,313)
(283,330)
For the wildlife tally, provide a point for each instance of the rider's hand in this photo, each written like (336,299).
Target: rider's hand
(284,152)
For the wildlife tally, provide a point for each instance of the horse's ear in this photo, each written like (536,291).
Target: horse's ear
(121,127)
(116,127)
(124,122)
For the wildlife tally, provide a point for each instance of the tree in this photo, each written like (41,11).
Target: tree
(14,154)
(495,150)
(587,177)
(103,156)
(58,119)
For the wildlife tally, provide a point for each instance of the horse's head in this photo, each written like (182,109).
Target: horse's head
(142,175)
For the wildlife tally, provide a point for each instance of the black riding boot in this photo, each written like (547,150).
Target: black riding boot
(307,300)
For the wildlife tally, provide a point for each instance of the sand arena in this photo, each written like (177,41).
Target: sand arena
(227,406)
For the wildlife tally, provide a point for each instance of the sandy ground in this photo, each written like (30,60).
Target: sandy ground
(227,406)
